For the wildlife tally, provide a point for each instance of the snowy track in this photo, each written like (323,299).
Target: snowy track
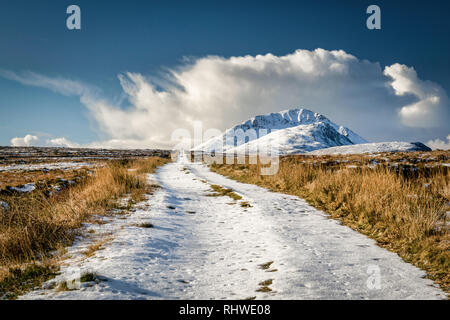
(204,247)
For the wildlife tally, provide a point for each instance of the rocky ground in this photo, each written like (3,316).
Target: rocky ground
(24,170)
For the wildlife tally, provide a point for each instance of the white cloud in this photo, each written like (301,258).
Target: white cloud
(61,142)
(439,144)
(377,104)
(28,140)
(432,99)
(35,141)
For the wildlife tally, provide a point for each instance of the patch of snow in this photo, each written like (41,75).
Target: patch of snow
(375,147)
(29,187)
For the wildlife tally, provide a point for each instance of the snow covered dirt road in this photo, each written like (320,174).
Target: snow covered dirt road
(214,247)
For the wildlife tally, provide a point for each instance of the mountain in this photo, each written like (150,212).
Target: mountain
(285,132)
(396,146)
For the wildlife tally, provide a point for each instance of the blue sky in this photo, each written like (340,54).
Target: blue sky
(148,37)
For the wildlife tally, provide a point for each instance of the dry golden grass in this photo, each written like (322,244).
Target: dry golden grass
(266,265)
(264,289)
(93,248)
(35,224)
(405,210)
(13,178)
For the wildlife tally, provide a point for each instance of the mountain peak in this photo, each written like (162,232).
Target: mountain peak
(295,130)
(284,119)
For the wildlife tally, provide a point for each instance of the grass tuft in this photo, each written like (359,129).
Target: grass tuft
(266,282)
(88,277)
(245,204)
(266,265)
(220,191)
(264,289)
(20,279)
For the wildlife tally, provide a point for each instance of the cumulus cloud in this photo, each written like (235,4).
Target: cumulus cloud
(28,140)
(379,104)
(432,101)
(439,144)
(62,142)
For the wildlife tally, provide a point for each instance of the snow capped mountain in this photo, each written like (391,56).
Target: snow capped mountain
(299,139)
(286,132)
(396,146)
